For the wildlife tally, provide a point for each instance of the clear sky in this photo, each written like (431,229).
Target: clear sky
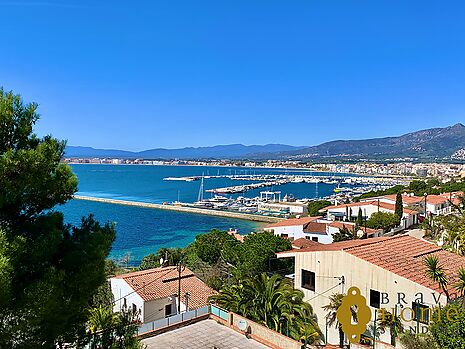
(144,74)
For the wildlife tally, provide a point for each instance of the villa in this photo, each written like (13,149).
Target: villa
(389,271)
(154,292)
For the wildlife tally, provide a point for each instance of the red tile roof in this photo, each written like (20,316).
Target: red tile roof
(315,227)
(293,222)
(436,199)
(402,255)
(159,283)
(406,199)
(304,243)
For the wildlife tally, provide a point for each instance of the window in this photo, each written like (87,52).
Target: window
(167,310)
(375,299)
(308,280)
(134,308)
(421,312)
(315,239)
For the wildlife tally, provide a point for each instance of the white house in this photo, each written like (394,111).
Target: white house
(315,229)
(389,271)
(154,292)
(349,212)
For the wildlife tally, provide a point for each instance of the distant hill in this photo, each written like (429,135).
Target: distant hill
(214,152)
(430,143)
(434,143)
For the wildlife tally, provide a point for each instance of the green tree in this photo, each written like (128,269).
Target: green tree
(314,207)
(399,210)
(50,270)
(269,299)
(346,233)
(208,246)
(391,322)
(382,220)
(436,273)
(335,302)
(108,330)
(170,256)
(359,220)
(449,331)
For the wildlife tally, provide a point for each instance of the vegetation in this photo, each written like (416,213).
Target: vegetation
(449,332)
(383,220)
(335,302)
(216,254)
(411,340)
(169,256)
(109,330)
(315,206)
(399,208)
(273,302)
(345,234)
(49,271)
(359,220)
(391,322)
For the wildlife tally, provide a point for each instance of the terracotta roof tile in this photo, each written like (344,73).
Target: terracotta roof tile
(159,283)
(293,222)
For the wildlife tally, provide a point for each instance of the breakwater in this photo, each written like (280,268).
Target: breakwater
(195,210)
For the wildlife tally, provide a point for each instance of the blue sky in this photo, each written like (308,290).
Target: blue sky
(144,74)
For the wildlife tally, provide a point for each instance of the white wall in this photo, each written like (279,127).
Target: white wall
(121,290)
(293,231)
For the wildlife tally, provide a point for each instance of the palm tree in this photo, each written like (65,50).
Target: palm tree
(269,300)
(436,273)
(460,285)
(393,323)
(101,318)
(335,301)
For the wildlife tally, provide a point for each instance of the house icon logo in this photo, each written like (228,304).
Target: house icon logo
(353,314)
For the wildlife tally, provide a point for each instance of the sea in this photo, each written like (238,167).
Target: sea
(141,231)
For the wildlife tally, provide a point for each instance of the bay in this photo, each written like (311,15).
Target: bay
(141,231)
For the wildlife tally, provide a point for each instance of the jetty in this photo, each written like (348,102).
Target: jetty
(186,209)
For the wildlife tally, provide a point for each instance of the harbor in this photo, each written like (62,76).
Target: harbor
(183,208)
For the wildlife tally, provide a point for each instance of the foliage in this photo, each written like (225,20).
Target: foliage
(270,300)
(411,340)
(112,330)
(345,234)
(170,256)
(335,301)
(315,206)
(449,333)
(399,208)
(436,272)
(392,323)
(213,261)
(49,271)
(359,220)
(208,246)
(382,220)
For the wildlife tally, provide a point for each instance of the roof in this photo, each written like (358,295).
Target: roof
(293,222)
(402,255)
(406,199)
(159,283)
(436,199)
(304,243)
(315,227)
(385,205)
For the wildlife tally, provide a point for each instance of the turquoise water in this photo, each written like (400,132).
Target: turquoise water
(141,231)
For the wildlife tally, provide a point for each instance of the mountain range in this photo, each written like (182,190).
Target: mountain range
(434,143)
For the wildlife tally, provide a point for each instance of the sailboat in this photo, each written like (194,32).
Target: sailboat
(200,201)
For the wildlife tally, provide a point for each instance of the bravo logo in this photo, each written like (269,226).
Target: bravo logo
(353,314)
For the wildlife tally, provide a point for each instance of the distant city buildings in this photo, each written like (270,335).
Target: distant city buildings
(445,171)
